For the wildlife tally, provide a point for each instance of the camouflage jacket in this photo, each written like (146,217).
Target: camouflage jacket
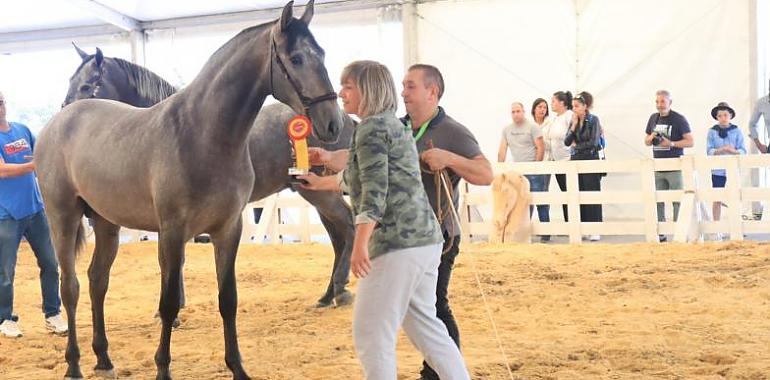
(383,179)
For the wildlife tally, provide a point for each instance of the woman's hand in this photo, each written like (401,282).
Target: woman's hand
(359,258)
(359,261)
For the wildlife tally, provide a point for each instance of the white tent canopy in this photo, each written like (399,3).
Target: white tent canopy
(491,52)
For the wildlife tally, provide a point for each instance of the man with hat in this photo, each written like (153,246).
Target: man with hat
(723,138)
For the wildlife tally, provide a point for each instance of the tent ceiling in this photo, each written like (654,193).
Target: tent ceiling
(35,15)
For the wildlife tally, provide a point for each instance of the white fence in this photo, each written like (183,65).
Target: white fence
(693,222)
(692,225)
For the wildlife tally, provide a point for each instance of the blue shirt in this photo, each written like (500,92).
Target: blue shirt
(19,196)
(734,137)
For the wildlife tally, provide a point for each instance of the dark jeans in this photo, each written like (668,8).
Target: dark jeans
(537,183)
(561,179)
(443,311)
(35,229)
(590,182)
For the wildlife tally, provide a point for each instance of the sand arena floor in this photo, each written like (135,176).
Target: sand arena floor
(563,312)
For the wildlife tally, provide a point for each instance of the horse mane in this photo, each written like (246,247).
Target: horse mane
(147,84)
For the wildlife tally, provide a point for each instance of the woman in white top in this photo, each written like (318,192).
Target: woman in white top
(554,132)
(540,116)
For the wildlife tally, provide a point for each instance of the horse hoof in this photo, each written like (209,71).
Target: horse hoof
(343,299)
(106,373)
(73,378)
(322,305)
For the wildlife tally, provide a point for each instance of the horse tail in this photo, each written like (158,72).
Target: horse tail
(80,239)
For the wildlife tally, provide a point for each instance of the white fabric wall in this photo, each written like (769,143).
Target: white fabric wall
(179,54)
(493,52)
(35,82)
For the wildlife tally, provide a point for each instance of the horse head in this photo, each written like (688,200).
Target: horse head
(100,77)
(88,81)
(298,76)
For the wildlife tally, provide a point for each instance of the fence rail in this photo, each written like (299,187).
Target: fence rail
(693,222)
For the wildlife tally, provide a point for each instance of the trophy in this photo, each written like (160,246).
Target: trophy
(299,130)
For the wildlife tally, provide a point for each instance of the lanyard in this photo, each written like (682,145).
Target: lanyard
(423,127)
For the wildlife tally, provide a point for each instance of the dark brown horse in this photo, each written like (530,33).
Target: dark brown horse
(181,168)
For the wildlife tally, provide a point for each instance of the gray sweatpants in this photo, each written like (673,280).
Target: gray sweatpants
(400,290)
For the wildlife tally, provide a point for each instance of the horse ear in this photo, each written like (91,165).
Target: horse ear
(99,57)
(83,55)
(308,15)
(286,16)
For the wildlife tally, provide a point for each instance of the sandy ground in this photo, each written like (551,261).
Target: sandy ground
(563,312)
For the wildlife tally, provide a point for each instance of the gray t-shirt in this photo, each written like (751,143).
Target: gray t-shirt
(761,109)
(446,133)
(521,140)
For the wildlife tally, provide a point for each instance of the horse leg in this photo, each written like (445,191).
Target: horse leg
(170,253)
(226,243)
(338,220)
(105,250)
(66,231)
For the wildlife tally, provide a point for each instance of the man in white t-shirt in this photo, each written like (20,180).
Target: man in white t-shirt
(524,139)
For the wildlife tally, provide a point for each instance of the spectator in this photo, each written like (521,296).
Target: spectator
(22,215)
(723,138)
(524,139)
(583,137)
(554,133)
(668,133)
(761,110)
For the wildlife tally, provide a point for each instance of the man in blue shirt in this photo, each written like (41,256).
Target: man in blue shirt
(21,214)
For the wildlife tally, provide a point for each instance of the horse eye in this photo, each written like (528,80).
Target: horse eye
(85,88)
(296,60)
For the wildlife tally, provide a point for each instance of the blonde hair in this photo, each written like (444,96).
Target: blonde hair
(374,82)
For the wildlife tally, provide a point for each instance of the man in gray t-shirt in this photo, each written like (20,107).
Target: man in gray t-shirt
(523,138)
(525,141)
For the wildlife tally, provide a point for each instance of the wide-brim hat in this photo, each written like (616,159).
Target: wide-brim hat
(722,106)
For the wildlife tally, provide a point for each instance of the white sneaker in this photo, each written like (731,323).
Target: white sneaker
(10,329)
(595,237)
(56,325)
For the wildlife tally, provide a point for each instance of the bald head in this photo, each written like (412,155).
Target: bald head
(517,112)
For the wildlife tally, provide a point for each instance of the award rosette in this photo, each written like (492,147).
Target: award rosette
(299,129)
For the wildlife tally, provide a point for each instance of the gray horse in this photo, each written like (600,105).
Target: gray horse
(181,168)
(113,78)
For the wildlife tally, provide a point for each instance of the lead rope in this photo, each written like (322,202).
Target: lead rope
(441,177)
